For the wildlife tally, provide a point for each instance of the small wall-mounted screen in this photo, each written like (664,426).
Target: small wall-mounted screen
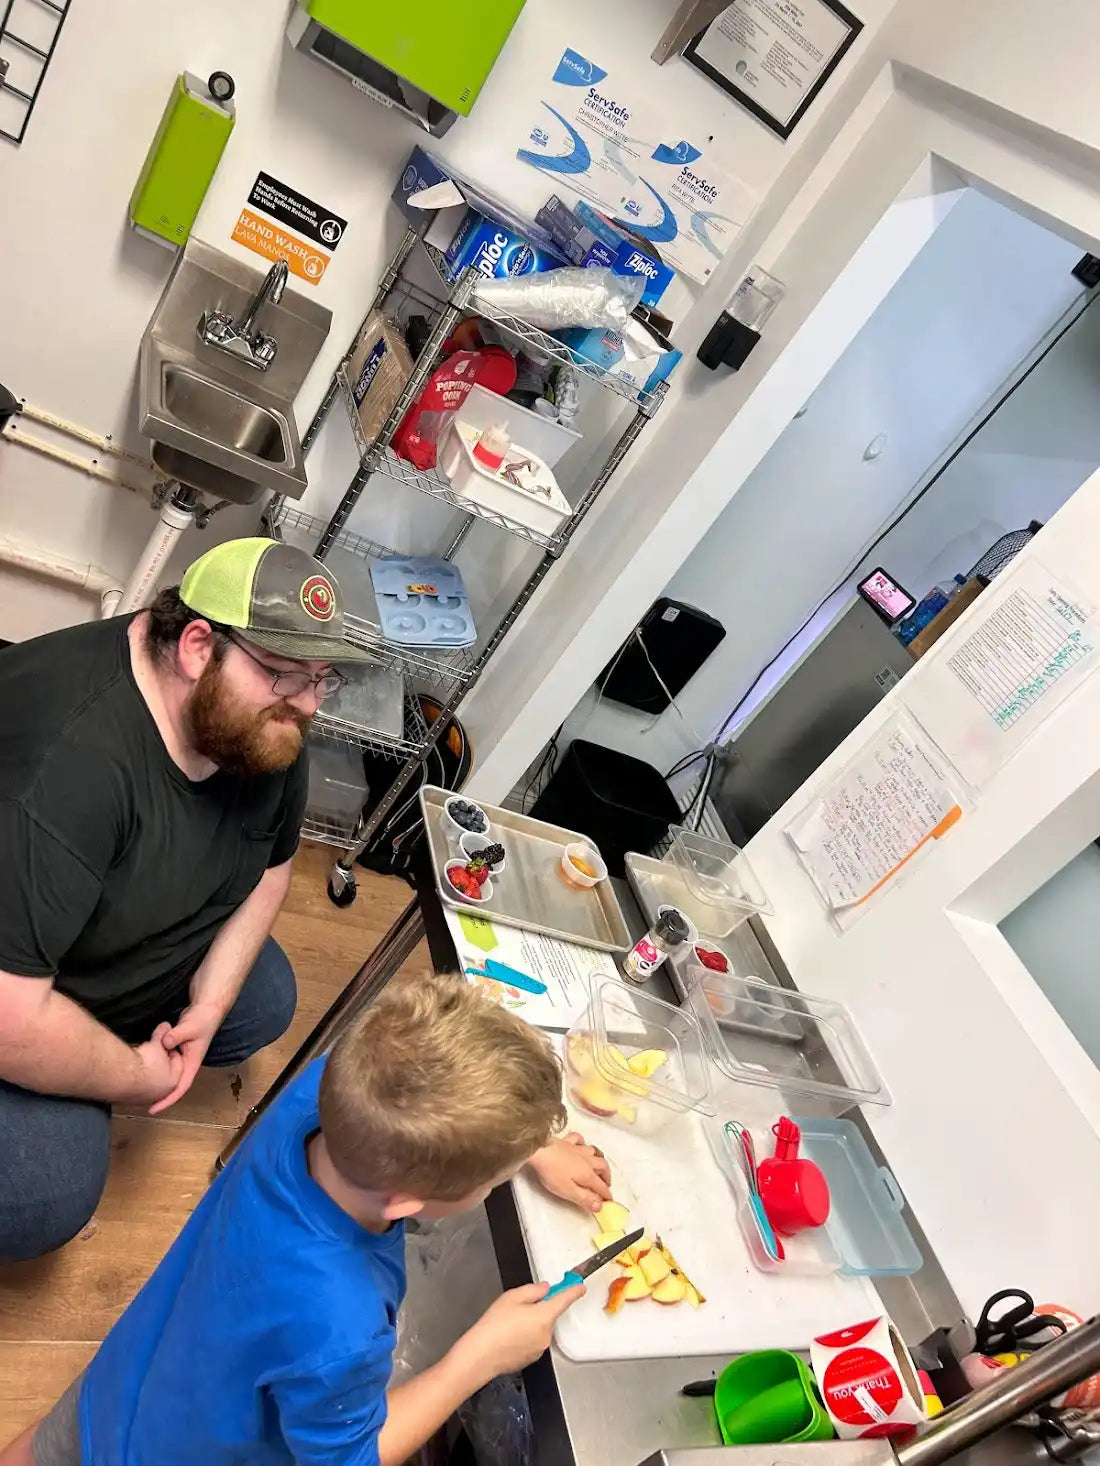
(886,596)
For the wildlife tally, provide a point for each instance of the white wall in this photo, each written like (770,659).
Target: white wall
(1041,444)
(1054,933)
(974,300)
(991,1090)
(1021,131)
(76,287)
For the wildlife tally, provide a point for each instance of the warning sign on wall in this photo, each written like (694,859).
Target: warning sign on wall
(296,211)
(275,243)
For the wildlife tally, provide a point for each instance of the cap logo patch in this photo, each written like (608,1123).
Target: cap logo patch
(317,598)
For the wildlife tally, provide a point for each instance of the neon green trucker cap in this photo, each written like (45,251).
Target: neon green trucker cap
(278,597)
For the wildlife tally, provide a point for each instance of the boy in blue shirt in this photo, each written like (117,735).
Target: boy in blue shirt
(266,1334)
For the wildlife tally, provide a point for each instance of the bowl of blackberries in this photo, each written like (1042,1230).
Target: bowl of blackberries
(481,847)
(461,817)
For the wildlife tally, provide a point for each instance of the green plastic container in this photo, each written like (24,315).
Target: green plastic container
(768,1398)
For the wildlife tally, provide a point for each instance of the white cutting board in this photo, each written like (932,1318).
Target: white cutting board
(673,1186)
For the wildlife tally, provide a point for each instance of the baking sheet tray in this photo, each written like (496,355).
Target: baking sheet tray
(532,892)
(659,883)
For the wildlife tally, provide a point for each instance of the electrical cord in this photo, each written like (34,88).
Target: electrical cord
(893,524)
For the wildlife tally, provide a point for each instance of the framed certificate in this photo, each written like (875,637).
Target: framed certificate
(774,56)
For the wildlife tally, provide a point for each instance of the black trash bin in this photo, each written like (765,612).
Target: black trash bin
(618,801)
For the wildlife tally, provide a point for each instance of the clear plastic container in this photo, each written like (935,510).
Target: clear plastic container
(809,1254)
(337,784)
(865,1223)
(720,878)
(619,1024)
(806,1048)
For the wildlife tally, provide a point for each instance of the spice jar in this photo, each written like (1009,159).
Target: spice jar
(669,932)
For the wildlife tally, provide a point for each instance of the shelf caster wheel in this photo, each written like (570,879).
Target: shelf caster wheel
(341,886)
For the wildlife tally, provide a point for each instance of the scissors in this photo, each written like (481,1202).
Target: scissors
(590,1265)
(1014,1325)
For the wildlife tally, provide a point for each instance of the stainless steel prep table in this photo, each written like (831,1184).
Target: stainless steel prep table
(614,1414)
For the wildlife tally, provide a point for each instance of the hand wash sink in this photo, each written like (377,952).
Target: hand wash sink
(219,412)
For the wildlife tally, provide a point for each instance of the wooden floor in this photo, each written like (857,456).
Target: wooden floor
(54,1312)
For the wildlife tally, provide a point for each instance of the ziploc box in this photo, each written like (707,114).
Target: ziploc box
(603,245)
(630,259)
(468,225)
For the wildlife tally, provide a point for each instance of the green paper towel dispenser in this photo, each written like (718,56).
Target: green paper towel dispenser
(429,59)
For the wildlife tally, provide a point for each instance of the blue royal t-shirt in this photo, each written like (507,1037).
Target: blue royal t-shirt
(266,1335)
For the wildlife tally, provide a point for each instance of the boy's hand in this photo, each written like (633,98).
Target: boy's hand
(514,1331)
(574,1171)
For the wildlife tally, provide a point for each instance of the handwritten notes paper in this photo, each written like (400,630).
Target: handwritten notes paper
(1034,640)
(869,822)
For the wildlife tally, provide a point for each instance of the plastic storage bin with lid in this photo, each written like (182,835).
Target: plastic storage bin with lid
(805,1048)
(725,889)
(634,1060)
(866,1223)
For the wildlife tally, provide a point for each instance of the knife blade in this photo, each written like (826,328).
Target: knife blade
(581,1270)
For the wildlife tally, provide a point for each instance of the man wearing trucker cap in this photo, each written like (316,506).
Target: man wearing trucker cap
(152,782)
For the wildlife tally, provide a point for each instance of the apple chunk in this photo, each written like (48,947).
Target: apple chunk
(636,1286)
(654,1268)
(616,1295)
(646,1064)
(612,1217)
(633,1255)
(597,1097)
(605,1239)
(672,1289)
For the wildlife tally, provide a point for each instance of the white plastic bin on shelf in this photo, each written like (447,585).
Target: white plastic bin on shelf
(542,435)
(472,479)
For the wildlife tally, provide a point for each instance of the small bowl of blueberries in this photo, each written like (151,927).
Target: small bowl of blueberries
(461,817)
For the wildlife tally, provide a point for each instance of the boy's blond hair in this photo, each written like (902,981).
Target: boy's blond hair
(437,1090)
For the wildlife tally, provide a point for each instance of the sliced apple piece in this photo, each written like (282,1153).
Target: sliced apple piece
(646,1064)
(612,1217)
(632,1255)
(677,1270)
(672,1289)
(627,1113)
(616,1295)
(654,1267)
(597,1097)
(604,1239)
(616,1059)
(636,1286)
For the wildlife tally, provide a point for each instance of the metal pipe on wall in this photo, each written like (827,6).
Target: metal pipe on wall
(1010,1394)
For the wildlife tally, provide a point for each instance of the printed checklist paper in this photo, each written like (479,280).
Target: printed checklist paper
(894,798)
(1034,640)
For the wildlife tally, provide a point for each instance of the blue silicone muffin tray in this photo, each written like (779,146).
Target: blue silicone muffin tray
(422,601)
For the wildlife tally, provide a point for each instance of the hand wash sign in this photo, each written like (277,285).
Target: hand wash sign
(590,135)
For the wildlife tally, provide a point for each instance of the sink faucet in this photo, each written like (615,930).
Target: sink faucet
(243,338)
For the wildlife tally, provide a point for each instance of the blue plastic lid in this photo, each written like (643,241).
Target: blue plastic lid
(865,1223)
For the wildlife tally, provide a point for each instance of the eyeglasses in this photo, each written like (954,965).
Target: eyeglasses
(293,684)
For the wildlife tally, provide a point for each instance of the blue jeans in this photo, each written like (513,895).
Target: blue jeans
(54,1151)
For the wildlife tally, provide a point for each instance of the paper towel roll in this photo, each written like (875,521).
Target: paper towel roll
(868,1380)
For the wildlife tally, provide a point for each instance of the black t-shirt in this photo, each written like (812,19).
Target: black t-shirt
(116,870)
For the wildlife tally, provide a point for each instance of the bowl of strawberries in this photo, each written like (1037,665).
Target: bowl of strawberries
(469,880)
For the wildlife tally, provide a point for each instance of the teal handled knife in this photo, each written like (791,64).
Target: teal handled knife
(593,1264)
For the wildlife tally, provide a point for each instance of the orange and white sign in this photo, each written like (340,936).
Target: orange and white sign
(276,243)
